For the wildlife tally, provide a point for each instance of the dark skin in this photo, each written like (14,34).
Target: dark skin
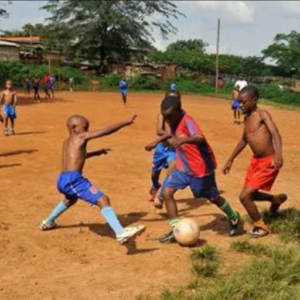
(74,147)
(9,97)
(173,116)
(262,135)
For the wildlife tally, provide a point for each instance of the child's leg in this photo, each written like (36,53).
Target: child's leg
(239,115)
(235,114)
(60,208)
(12,122)
(247,199)
(124,98)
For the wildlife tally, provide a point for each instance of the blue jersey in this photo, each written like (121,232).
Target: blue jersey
(173,87)
(123,85)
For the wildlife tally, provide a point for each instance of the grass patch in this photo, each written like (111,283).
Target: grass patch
(248,248)
(286,224)
(205,261)
(171,295)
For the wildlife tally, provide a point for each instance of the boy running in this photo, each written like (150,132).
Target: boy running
(263,137)
(195,166)
(36,88)
(123,85)
(9,99)
(46,82)
(74,186)
(164,158)
(236,106)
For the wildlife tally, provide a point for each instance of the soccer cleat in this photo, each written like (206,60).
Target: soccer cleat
(278,201)
(158,203)
(258,232)
(130,233)
(235,225)
(47,226)
(167,238)
(6,132)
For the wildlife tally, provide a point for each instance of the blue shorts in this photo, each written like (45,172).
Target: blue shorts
(124,92)
(235,104)
(10,111)
(74,186)
(204,187)
(162,157)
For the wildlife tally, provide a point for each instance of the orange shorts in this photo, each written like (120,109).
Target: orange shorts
(261,173)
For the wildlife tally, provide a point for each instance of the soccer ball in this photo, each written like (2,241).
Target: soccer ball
(187,232)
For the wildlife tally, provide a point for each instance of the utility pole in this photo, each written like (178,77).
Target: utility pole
(217,56)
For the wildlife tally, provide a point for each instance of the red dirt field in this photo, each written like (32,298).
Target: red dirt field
(81,259)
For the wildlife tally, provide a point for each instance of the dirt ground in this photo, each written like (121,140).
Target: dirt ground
(81,260)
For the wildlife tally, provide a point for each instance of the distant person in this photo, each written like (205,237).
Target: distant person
(36,88)
(27,85)
(9,99)
(235,105)
(71,84)
(74,186)
(263,137)
(123,85)
(52,85)
(173,87)
(241,83)
(46,82)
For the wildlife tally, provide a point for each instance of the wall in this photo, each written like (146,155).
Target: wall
(8,53)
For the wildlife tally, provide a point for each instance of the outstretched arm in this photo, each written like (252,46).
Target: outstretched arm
(108,130)
(161,139)
(276,138)
(98,153)
(238,149)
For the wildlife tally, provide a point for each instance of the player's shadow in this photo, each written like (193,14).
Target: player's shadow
(10,166)
(18,152)
(31,132)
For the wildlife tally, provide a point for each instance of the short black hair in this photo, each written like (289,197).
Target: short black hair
(171,93)
(251,90)
(171,102)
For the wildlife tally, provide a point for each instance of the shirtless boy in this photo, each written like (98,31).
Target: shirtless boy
(262,135)
(9,99)
(74,186)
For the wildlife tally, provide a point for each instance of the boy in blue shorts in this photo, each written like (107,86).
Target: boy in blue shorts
(164,158)
(123,85)
(74,186)
(235,105)
(9,99)
(195,166)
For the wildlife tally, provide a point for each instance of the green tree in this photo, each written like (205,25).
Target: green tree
(285,52)
(196,45)
(3,11)
(99,28)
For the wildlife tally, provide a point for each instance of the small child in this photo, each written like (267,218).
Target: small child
(9,99)
(263,137)
(46,82)
(123,85)
(71,84)
(36,88)
(236,106)
(164,157)
(195,166)
(52,85)
(74,186)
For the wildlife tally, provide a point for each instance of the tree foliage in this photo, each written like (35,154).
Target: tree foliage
(194,45)
(285,52)
(99,29)
(3,11)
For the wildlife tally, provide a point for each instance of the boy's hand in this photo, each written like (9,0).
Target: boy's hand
(131,120)
(150,147)
(227,167)
(278,161)
(176,142)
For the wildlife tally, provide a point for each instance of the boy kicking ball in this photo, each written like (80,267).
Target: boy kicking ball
(74,186)
(195,166)
(263,137)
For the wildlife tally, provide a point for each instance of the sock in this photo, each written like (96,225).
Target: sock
(226,208)
(110,216)
(173,222)
(260,223)
(57,211)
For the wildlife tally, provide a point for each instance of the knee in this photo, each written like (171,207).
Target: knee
(166,193)
(69,202)
(103,201)
(244,198)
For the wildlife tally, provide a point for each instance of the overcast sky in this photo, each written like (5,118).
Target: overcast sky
(247,26)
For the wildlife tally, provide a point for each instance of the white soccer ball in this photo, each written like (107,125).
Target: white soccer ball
(187,232)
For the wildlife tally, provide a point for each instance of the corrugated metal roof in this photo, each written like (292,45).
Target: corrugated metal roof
(8,44)
(26,39)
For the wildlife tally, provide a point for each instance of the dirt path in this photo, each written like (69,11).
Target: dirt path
(81,260)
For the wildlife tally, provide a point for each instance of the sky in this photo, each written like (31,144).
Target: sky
(247,27)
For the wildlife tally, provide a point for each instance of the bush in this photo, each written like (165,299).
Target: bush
(140,83)
(110,81)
